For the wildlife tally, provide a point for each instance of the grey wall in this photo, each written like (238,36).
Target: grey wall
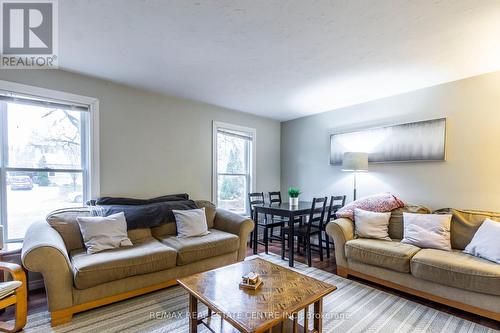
(470,178)
(151,144)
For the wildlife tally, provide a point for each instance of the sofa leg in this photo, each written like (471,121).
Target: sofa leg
(60,317)
(342,271)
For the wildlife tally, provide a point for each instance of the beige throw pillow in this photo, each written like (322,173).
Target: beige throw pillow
(191,222)
(372,224)
(104,232)
(427,230)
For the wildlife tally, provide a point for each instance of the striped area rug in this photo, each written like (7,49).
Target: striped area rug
(352,308)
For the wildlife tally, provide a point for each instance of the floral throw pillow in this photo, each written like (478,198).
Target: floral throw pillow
(382,202)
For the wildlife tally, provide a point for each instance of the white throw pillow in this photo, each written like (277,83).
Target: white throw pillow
(427,230)
(104,232)
(486,241)
(191,222)
(372,224)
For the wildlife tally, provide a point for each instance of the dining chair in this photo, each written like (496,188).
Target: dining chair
(336,202)
(266,224)
(255,198)
(275,198)
(14,293)
(312,227)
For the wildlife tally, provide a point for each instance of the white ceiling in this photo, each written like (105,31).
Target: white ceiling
(281,59)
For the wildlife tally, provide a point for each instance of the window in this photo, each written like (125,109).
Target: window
(45,158)
(233,165)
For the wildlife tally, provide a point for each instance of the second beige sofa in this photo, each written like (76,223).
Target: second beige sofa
(452,278)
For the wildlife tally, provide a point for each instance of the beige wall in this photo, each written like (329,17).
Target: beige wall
(151,144)
(470,178)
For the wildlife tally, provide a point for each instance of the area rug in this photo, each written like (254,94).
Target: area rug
(352,308)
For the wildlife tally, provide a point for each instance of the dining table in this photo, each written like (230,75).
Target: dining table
(289,212)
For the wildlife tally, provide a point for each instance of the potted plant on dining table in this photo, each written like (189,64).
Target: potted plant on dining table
(293,194)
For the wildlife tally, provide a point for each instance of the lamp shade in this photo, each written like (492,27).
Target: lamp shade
(355,161)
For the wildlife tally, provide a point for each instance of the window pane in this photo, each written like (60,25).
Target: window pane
(43,137)
(231,193)
(32,195)
(231,154)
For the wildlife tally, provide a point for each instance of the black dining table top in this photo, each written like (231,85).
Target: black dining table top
(285,206)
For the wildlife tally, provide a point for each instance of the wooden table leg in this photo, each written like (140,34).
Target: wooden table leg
(295,323)
(193,314)
(318,314)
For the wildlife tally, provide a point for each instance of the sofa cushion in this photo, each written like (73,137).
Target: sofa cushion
(104,232)
(427,230)
(210,211)
(388,254)
(191,223)
(485,242)
(396,224)
(194,249)
(465,223)
(169,229)
(136,235)
(457,269)
(64,221)
(146,256)
(371,224)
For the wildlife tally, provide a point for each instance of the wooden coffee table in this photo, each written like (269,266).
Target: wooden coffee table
(271,308)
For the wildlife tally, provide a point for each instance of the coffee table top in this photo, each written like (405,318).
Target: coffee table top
(282,293)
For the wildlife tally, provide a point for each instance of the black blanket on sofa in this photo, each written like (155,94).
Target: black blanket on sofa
(133,201)
(146,215)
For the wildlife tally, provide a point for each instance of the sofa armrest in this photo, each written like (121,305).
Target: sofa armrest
(44,252)
(235,224)
(15,271)
(341,230)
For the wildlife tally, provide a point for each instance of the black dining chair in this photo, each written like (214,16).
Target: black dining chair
(256,198)
(312,227)
(336,202)
(266,224)
(275,198)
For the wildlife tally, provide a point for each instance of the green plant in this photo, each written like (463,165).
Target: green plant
(293,192)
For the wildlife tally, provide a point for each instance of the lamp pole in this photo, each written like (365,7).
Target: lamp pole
(354,186)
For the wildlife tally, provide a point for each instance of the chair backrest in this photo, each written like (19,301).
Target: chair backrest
(336,202)
(317,214)
(275,197)
(256,198)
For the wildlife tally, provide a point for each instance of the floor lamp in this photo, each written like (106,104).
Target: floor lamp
(355,162)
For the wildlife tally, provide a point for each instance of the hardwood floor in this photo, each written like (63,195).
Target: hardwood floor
(38,303)
(328,264)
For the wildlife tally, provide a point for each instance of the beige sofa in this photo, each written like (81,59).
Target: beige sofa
(76,281)
(453,278)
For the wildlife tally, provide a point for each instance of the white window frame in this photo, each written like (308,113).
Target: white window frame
(92,141)
(253,156)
